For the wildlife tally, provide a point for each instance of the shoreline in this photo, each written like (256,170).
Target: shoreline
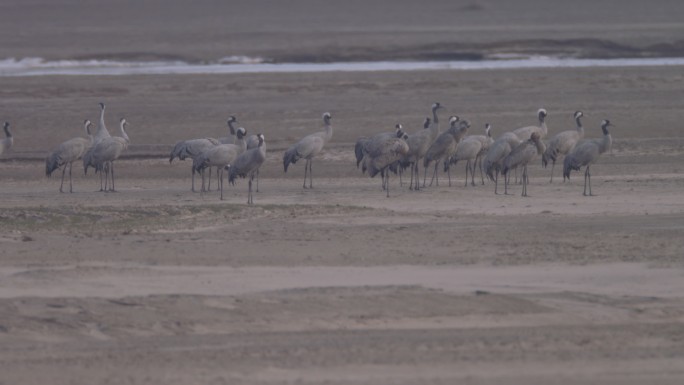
(39,67)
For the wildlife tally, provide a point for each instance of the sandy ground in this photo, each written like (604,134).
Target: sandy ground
(155,284)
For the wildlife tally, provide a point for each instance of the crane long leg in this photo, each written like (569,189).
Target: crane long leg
(449,175)
(387,181)
(219,178)
(424,176)
(507,177)
(524,181)
(250,198)
(496,182)
(193,178)
(112,171)
(257,179)
(472,172)
(71,187)
(220,182)
(467,166)
(62,184)
(106,176)
(553,165)
(417,187)
(411,182)
(587,180)
(306,170)
(310,173)
(434,173)
(481,173)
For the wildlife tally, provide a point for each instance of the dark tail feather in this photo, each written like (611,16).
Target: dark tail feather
(569,164)
(51,164)
(549,155)
(490,168)
(358,151)
(232,174)
(290,156)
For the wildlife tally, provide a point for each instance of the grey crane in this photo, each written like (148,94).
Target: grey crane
(586,154)
(220,156)
(486,141)
(192,148)
(419,142)
(385,153)
(105,152)
(253,141)
(67,153)
(522,155)
(362,143)
(469,149)
(6,143)
(247,164)
(101,131)
(524,133)
(374,145)
(498,150)
(308,147)
(231,130)
(562,143)
(445,145)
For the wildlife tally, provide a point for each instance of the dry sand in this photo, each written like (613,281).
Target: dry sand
(340,285)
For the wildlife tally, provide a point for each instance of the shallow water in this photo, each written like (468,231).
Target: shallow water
(39,67)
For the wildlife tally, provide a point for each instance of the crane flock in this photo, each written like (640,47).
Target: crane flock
(382,153)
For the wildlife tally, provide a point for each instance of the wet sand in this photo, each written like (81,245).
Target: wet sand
(155,284)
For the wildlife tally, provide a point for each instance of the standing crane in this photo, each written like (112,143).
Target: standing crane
(220,156)
(586,154)
(498,150)
(67,153)
(308,147)
(562,143)
(445,146)
(522,155)
(6,143)
(247,164)
(105,152)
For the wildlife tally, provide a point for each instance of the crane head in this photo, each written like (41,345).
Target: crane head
(453,119)
(604,126)
(426,123)
(399,130)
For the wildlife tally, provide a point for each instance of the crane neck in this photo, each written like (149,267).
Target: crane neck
(328,130)
(580,128)
(241,143)
(8,133)
(123,132)
(231,127)
(606,143)
(542,125)
(435,122)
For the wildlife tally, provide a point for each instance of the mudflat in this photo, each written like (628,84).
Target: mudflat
(339,284)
